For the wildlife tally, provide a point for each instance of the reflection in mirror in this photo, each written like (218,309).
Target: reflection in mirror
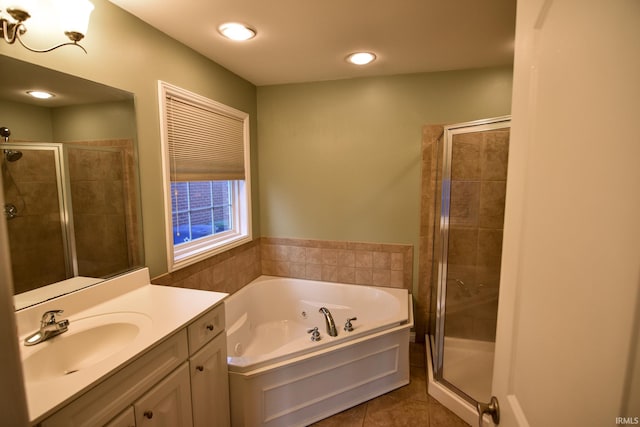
(70,181)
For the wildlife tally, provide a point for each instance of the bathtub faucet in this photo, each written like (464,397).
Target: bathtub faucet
(331,325)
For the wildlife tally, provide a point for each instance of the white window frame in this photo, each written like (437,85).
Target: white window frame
(184,254)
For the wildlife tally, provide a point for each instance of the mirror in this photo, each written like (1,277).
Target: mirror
(70,181)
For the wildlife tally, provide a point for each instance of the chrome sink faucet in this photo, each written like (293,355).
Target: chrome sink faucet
(49,328)
(331,325)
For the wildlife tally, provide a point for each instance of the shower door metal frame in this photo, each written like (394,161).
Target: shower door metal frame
(64,198)
(442,260)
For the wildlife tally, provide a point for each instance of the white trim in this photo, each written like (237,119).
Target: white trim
(242,232)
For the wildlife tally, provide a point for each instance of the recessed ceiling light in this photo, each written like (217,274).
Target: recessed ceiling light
(237,32)
(40,94)
(361,58)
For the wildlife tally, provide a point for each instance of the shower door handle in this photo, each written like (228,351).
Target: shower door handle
(492,408)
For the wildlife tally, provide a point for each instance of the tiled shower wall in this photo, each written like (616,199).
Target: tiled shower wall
(104,189)
(478,187)
(35,235)
(348,262)
(478,183)
(104,195)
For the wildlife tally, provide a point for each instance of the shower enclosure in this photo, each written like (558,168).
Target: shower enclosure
(59,200)
(36,208)
(468,180)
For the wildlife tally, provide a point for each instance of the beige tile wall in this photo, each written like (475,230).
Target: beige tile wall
(30,184)
(98,193)
(374,264)
(103,210)
(128,204)
(347,262)
(225,272)
(478,183)
(478,187)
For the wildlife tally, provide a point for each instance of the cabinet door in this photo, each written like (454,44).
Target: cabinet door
(125,419)
(210,384)
(168,404)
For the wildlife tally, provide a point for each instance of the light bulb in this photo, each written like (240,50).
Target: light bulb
(74,18)
(40,94)
(361,58)
(237,32)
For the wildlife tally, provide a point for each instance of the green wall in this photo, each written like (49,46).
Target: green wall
(87,122)
(128,54)
(341,160)
(35,122)
(90,122)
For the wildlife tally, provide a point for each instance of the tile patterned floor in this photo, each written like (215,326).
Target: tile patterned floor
(407,406)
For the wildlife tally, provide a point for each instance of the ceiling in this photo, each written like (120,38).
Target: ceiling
(308,40)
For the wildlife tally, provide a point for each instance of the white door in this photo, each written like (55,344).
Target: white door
(567,350)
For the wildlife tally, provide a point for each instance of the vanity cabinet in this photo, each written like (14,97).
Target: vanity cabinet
(182,381)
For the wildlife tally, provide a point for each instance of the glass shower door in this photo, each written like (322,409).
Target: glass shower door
(473,187)
(36,214)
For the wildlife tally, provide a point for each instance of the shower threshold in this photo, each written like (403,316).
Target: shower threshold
(463,355)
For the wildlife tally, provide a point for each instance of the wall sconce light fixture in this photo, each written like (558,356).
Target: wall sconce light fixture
(74,20)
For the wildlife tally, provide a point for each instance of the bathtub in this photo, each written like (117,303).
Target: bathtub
(278,376)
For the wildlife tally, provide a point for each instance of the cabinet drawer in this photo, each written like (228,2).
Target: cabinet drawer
(99,405)
(204,328)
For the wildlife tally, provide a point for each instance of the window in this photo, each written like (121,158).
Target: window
(206,169)
(200,209)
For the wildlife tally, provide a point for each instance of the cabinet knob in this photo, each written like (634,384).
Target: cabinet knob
(148,414)
(210,327)
(200,368)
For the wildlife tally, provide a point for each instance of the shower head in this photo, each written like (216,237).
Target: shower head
(12,155)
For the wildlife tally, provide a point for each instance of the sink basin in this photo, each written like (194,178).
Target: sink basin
(88,341)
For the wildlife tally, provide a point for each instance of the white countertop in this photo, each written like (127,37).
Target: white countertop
(168,310)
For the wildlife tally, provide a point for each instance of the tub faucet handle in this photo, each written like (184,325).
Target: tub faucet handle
(315,334)
(348,326)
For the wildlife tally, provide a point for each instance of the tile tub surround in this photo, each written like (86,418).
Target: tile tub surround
(376,264)
(225,272)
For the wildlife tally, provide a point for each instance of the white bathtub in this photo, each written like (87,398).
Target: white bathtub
(279,377)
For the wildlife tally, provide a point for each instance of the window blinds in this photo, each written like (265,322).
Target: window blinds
(204,144)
